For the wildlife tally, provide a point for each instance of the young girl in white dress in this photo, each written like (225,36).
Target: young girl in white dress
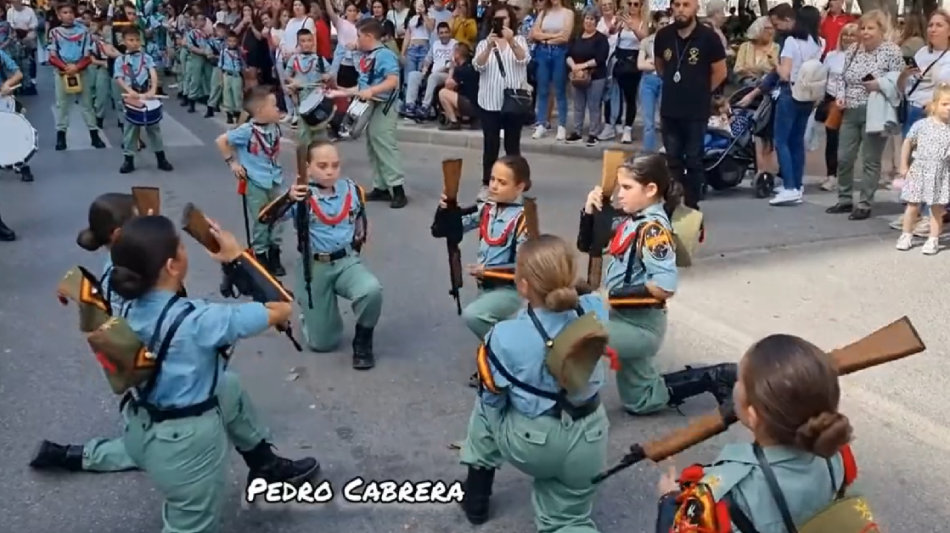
(927,178)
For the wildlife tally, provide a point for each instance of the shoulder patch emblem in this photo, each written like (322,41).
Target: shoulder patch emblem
(657,241)
(697,510)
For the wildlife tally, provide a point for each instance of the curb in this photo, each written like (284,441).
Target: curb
(475,141)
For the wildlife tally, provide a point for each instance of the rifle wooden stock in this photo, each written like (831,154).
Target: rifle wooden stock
(890,343)
(603,219)
(195,223)
(451,179)
(148,200)
(272,212)
(531,224)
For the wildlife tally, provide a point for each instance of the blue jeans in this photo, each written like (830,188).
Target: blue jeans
(651,86)
(415,57)
(551,60)
(791,119)
(914,114)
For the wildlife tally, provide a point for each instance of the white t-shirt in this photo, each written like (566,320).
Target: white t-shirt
(24,19)
(399,20)
(442,55)
(800,51)
(417,29)
(440,16)
(938,73)
(611,39)
(288,41)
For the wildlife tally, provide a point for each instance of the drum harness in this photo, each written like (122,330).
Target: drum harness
(371,80)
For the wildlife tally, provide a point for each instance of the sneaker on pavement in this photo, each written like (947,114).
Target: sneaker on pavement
(787,197)
(931,247)
(539,131)
(905,241)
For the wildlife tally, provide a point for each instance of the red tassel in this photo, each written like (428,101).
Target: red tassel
(614,359)
(242,187)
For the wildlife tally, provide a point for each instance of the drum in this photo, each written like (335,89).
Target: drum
(149,114)
(19,140)
(316,110)
(7,104)
(357,118)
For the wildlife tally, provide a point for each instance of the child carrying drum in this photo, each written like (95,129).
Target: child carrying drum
(305,73)
(10,78)
(136,75)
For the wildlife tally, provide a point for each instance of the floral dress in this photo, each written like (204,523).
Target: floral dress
(928,178)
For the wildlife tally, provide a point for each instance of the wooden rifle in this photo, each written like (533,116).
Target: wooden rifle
(448,225)
(302,225)
(603,219)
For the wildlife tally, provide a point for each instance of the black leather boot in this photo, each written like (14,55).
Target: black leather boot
(209,112)
(191,106)
(52,456)
(96,140)
(163,163)
(399,198)
(26,174)
(6,234)
(379,195)
(477,487)
(60,141)
(273,261)
(363,358)
(262,462)
(99,122)
(231,119)
(718,380)
(128,165)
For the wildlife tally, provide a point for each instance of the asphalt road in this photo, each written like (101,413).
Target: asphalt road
(764,270)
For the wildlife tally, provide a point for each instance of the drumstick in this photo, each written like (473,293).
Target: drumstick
(15,87)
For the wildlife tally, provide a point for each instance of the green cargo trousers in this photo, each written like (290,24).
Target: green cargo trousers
(131,135)
(562,455)
(383,149)
(232,97)
(636,335)
(216,87)
(307,135)
(491,307)
(101,91)
(347,278)
(240,419)
(65,101)
(852,139)
(263,237)
(198,72)
(117,93)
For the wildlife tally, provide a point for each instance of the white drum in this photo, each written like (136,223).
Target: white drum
(19,140)
(357,118)
(7,104)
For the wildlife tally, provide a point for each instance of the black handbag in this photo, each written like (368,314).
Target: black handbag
(902,110)
(517,102)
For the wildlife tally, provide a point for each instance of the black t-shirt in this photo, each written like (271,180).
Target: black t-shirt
(467,79)
(688,94)
(595,47)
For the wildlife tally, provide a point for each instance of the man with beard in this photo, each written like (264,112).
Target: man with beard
(692,62)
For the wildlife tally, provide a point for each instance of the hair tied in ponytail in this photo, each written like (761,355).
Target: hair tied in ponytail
(87,240)
(561,299)
(825,434)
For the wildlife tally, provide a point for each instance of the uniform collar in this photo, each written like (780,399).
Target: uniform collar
(332,191)
(744,453)
(156,296)
(653,209)
(519,201)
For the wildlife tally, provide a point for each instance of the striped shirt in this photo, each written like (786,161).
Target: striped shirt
(491,84)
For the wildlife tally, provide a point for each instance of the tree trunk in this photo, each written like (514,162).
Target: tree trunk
(763,7)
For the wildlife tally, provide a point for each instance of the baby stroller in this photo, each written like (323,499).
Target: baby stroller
(729,163)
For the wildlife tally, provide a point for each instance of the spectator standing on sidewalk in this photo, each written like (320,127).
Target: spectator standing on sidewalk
(587,61)
(631,30)
(692,63)
(502,62)
(835,60)
(651,85)
(552,33)
(833,22)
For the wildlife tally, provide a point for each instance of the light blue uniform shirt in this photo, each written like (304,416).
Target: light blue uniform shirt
(231,61)
(651,261)
(192,362)
(502,221)
(519,347)
(134,70)
(9,66)
(328,238)
(70,44)
(215,44)
(114,299)
(307,69)
(375,67)
(258,150)
(197,39)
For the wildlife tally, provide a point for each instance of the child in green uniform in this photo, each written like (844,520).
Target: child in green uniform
(101,76)
(232,65)
(216,45)
(198,64)
(640,276)
(501,230)
(305,73)
(252,150)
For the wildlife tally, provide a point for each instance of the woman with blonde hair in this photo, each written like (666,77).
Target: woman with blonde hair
(523,408)
(759,55)
(869,59)
(835,61)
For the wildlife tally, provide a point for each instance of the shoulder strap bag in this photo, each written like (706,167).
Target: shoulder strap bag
(517,101)
(903,110)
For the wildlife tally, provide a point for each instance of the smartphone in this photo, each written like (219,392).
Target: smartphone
(869,77)
(910,62)
(497,24)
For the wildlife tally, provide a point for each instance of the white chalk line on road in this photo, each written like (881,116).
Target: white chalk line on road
(918,427)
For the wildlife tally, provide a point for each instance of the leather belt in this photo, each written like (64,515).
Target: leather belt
(329,257)
(163,415)
(489,284)
(235,74)
(576,412)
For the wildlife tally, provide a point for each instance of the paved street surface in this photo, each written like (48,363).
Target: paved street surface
(765,270)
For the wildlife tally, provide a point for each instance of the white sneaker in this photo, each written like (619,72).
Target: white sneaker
(539,131)
(830,184)
(905,242)
(779,189)
(627,135)
(931,246)
(618,129)
(787,197)
(561,134)
(607,133)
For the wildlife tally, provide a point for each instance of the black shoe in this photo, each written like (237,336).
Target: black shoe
(163,163)
(52,456)
(128,165)
(451,126)
(363,358)
(191,106)
(573,138)
(273,262)
(6,234)
(718,380)
(592,140)
(209,112)
(477,488)
(262,462)
(379,195)
(26,174)
(60,141)
(230,118)
(99,122)
(399,198)
(96,140)
(839,208)
(860,213)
